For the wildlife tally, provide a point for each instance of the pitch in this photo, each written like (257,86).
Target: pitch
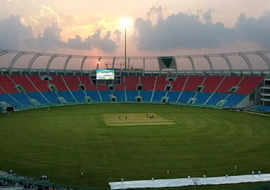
(62,141)
(135,119)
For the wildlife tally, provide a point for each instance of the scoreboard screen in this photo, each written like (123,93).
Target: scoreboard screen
(105,74)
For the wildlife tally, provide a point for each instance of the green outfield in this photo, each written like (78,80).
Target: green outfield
(61,141)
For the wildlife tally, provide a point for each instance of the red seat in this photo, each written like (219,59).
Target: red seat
(1,91)
(42,85)
(148,82)
(102,87)
(161,83)
(248,84)
(72,82)
(120,86)
(211,83)
(131,82)
(86,81)
(179,83)
(58,82)
(7,84)
(22,80)
(193,82)
(228,83)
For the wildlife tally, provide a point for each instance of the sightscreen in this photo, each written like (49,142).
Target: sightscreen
(105,74)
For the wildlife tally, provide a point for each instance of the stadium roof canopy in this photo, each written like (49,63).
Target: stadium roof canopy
(255,61)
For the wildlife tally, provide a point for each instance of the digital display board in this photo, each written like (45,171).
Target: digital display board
(105,74)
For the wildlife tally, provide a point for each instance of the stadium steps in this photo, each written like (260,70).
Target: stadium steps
(36,88)
(11,100)
(204,79)
(193,83)
(55,92)
(125,88)
(21,80)
(230,95)
(33,100)
(139,80)
(24,98)
(72,95)
(7,84)
(99,95)
(215,91)
(153,92)
(249,84)
(167,91)
(197,92)
(228,83)
(182,90)
(84,91)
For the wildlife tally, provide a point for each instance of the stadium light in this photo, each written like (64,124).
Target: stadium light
(125,22)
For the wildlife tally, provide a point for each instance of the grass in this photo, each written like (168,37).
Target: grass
(62,141)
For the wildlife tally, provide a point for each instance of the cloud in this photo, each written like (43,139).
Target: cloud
(180,31)
(15,35)
(198,31)
(94,41)
(50,39)
(254,29)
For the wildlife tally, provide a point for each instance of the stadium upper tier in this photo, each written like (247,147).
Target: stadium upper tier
(256,61)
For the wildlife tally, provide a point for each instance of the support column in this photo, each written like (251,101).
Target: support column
(82,62)
(192,63)
(33,60)
(50,62)
(15,59)
(113,62)
(227,60)
(264,58)
(67,61)
(247,61)
(209,61)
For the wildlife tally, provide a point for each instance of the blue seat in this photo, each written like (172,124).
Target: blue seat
(22,99)
(131,96)
(51,96)
(185,97)
(37,96)
(216,98)
(158,96)
(10,101)
(146,96)
(120,95)
(172,96)
(233,100)
(66,95)
(93,95)
(202,97)
(261,108)
(79,95)
(105,95)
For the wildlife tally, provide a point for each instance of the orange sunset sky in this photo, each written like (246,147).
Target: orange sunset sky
(158,27)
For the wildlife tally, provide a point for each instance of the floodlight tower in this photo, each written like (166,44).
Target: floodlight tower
(125,48)
(125,23)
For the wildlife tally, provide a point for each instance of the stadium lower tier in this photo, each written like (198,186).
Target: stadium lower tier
(42,99)
(261,108)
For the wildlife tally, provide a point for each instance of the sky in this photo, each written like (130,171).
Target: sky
(159,27)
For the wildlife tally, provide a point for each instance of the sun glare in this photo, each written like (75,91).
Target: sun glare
(125,22)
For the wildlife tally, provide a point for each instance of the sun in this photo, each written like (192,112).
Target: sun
(125,22)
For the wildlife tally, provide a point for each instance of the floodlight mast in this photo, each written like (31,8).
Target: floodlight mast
(125,47)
